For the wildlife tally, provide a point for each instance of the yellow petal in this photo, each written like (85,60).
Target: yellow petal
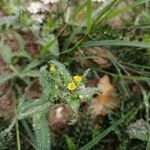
(77,78)
(52,69)
(71,86)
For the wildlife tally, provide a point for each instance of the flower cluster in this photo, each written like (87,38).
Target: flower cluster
(52,68)
(73,85)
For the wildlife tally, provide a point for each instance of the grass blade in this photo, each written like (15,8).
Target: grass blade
(108,130)
(116,43)
(89,14)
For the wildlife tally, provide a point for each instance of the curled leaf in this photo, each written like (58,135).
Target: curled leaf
(105,101)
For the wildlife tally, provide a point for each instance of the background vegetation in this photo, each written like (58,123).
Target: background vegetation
(109,109)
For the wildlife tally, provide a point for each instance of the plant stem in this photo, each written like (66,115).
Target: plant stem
(17,125)
(18,136)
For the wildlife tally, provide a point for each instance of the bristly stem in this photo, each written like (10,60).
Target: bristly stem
(146,97)
(17,125)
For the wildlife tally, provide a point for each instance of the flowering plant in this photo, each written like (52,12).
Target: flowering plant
(59,86)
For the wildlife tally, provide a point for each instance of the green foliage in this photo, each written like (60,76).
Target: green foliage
(54,90)
(54,87)
(70,143)
(7,21)
(138,130)
(117,43)
(60,36)
(6,53)
(42,132)
(4,140)
(50,44)
(89,12)
(101,135)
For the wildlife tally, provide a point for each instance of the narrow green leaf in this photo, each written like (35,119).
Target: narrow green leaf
(33,73)
(6,76)
(63,71)
(89,14)
(6,53)
(7,20)
(20,41)
(86,73)
(32,65)
(50,44)
(78,10)
(88,93)
(101,135)
(106,10)
(22,53)
(116,43)
(116,12)
(42,133)
(70,143)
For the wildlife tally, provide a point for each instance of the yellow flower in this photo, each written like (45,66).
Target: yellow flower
(71,86)
(52,69)
(77,78)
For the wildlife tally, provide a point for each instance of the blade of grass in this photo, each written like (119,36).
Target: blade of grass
(70,38)
(89,14)
(70,143)
(78,10)
(109,8)
(137,78)
(116,43)
(16,124)
(28,131)
(125,9)
(75,46)
(99,11)
(46,47)
(101,135)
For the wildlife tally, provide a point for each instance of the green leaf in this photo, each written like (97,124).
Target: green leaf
(20,40)
(32,65)
(22,53)
(42,133)
(86,73)
(101,135)
(116,43)
(70,143)
(138,130)
(31,108)
(33,73)
(50,44)
(89,12)
(103,11)
(6,53)
(7,20)
(6,76)
(87,93)
(69,40)
(130,6)
(63,71)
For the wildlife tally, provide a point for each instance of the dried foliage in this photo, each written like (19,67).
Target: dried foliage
(105,101)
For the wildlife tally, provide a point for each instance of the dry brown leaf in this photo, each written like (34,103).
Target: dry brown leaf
(97,55)
(59,118)
(105,101)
